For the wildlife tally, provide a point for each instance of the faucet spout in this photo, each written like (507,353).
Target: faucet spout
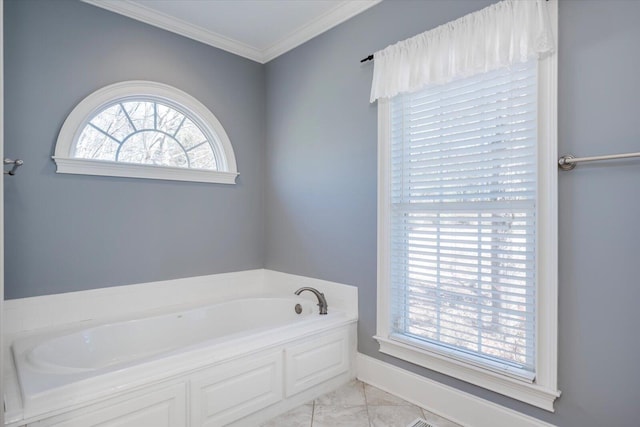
(322,301)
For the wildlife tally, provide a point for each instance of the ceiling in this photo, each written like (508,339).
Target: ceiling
(260,30)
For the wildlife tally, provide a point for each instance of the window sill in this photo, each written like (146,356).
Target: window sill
(104,168)
(531,393)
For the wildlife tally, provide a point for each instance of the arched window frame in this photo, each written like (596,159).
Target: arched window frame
(171,96)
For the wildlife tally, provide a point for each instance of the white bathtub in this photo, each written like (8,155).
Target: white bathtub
(66,368)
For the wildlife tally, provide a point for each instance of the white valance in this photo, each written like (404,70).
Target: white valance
(497,36)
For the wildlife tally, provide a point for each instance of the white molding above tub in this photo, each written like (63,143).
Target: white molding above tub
(448,402)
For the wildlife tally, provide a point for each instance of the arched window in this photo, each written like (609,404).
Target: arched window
(143,129)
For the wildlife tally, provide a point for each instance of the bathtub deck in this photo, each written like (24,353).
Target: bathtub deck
(356,405)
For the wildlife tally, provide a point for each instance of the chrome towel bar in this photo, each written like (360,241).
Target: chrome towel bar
(568,162)
(16,164)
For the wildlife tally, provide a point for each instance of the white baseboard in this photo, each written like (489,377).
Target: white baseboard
(448,402)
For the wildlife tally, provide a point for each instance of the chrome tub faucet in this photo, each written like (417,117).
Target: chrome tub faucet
(322,301)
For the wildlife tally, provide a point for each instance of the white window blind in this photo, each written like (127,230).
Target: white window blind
(463,219)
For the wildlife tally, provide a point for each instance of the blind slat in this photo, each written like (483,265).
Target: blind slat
(456,118)
(489,80)
(457,327)
(476,307)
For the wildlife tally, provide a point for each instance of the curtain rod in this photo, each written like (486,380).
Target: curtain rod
(568,162)
(370,57)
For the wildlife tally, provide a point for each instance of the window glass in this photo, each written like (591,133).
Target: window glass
(146,132)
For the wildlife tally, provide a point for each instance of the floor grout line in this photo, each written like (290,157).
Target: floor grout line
(366,405)
(313,411)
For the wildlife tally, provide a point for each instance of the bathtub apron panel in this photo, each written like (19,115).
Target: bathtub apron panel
(230,391)
(163,407)
(134,373)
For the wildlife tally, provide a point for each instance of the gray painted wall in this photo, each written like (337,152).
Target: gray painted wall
(71,232)
(321,188)
(317,173)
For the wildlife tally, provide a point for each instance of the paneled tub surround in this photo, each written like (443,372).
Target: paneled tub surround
(256,366)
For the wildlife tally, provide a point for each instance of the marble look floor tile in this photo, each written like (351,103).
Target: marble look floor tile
(340,416)
(393,416)
(437,420)
(297,417)
(377,397)
(351,394)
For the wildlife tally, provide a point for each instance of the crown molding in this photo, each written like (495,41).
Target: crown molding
(167,22)
(324,22)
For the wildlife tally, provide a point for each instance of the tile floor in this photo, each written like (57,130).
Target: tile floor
(356,405)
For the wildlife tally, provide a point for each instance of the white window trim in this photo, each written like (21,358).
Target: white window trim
(92,104)
(543,390)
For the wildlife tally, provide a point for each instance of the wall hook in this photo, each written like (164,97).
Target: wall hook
(16,164)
